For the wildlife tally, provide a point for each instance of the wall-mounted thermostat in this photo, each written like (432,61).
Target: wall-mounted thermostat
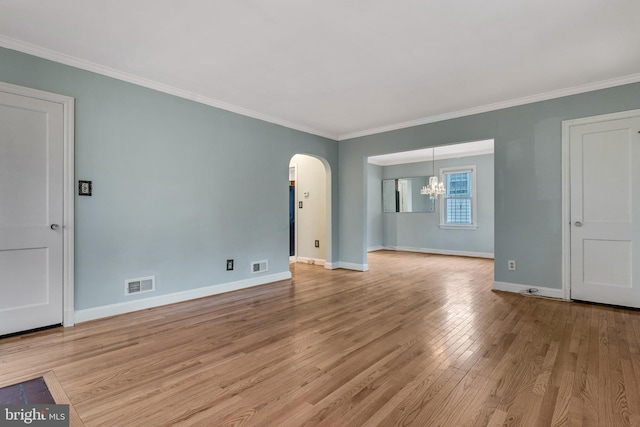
(84,188)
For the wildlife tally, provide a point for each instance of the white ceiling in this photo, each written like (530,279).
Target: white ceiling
(453,151)
(340,68)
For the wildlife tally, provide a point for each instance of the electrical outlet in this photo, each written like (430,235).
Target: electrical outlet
(512,264)
(317,243)
(229,264)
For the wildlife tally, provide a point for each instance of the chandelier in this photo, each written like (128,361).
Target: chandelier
(435,188)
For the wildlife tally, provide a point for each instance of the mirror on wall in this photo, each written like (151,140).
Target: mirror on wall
(403,195)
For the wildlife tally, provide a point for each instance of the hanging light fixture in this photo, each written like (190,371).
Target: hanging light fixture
(435,188)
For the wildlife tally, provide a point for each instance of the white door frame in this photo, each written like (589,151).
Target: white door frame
(566,189)
(68,106)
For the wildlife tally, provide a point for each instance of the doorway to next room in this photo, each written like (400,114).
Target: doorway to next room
(308,206)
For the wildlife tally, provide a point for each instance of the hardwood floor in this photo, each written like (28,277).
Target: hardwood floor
(418,340)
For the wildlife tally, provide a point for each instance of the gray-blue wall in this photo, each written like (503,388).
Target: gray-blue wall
(178,187)
(421,231)
(527,177)
(375,219)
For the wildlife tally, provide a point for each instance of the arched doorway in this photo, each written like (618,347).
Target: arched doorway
(309,210)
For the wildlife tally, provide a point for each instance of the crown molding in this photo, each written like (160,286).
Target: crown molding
(52,55)
(574,90)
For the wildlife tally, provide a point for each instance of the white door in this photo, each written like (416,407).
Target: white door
(605,211)
(31,213)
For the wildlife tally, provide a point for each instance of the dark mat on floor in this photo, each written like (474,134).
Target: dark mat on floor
(33,392)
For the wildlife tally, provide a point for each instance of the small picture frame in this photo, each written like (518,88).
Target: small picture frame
(84,188)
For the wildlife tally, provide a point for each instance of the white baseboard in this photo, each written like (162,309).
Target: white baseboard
(141,304)
(440,251)
(351,266)
(515,287)
(309,260)
(376,248)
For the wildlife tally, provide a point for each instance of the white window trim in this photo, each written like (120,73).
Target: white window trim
(474,202)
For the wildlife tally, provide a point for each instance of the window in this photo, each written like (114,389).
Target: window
(458,207)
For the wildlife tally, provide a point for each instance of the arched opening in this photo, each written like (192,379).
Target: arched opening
(310,210)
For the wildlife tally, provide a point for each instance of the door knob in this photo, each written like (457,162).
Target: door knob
(578,224)
(55,226)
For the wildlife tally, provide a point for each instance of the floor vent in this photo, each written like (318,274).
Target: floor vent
(141,285)
(259,266)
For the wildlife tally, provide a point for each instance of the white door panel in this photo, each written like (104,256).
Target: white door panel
(31,200)
(606,172)
(615,255)
(605,180)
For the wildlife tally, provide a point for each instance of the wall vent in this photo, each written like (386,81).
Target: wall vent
(140,285)
(259,266)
